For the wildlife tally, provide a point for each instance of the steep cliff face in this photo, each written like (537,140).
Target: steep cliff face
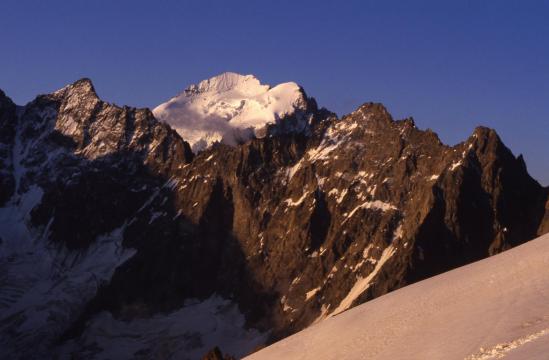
(96,162)
(292,227)
(364,205)
(7,137)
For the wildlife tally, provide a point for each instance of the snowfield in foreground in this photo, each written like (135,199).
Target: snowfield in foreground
(492,309)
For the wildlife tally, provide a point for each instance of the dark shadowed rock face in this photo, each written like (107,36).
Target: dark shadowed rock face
(294,227)
(91,159)
(216,354)
(7,136)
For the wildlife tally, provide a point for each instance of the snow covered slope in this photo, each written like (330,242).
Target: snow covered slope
(230,108)
(491,309)
(185,334)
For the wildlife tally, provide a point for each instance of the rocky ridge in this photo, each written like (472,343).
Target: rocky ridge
(292,227)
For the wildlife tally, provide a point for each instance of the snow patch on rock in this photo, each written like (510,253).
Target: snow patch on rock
(362,284)
(374,205)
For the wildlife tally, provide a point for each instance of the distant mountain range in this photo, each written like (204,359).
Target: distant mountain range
(233,215)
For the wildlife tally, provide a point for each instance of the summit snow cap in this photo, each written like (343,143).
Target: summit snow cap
(231,108)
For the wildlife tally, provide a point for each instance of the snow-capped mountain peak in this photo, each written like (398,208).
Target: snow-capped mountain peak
(232,108)
(248,85)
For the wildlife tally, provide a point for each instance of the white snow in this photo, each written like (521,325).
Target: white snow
(229,108)
(495,308)
(375,205)
(44,287)
(155,215)
(336,136)
(209,158)
(309,295)
(367,250)
(455,165)
(323,150)
(187,333)
(362,284)
(498,351)
(398,234)
(296,280)
(341,196)
(333,192)
(294,169)
(298,202)
(285,306)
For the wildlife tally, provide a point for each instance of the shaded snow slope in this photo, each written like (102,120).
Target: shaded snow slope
(44,286)
(187,333)
(491,309)
(229,108)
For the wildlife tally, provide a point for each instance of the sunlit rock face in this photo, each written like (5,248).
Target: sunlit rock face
(108,218)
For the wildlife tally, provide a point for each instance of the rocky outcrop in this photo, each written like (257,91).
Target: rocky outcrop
(7,138)
(216,354)
(95,161)
(295,227)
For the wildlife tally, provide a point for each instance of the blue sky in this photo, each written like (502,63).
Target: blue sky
(451,65)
